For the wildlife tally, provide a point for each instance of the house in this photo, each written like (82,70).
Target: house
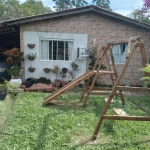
(60,36)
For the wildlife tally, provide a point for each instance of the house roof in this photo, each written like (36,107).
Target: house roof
(79,10)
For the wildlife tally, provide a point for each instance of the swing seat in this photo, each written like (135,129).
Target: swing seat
(112,101)
(120,112)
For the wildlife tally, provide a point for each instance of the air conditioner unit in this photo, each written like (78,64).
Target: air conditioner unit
(81,53)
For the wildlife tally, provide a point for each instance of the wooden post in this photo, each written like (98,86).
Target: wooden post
(97,60)
(97,73)
(109,66)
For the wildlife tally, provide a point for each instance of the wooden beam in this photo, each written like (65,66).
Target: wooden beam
(97,73)
(129,118)
(101,72)
(125,41)
(100,88)
(67,87)
(113,63)
(132,88)
(102,92)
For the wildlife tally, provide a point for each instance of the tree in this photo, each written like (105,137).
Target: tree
(66,4)
(10,9)
(79,3)
(102,3)
(146,7)
(2,7)
(138,15)
(33,7)
(62,4)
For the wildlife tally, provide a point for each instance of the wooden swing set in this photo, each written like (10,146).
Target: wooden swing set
(115,78)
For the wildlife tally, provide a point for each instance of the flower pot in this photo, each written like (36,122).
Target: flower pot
(2,96)
(57,82)
(31,46)
(31,58)
(64,70)
(63,83)
(31,69)
(15,83)
(47,70)
(29,82)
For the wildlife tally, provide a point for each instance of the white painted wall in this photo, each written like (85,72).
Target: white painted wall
(79,40)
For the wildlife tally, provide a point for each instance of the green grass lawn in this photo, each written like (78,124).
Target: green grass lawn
(69,127)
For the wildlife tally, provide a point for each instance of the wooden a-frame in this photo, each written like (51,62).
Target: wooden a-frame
(138,43)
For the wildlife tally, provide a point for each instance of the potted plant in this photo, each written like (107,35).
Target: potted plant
(64,70)
(14,57)
(29,82)
(47,70)
(63,76)
(74,66)
(31,69)
(74,69)
(31,56)
(56,72)
(14,72)
(31,46)
(146,78)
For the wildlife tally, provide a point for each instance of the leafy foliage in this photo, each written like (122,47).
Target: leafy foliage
(14,71)
(14,56)
(102,3)
(66,4)
(79,3)
(10,9)
(146,69)
(138,15)
(147,78)
(62,4)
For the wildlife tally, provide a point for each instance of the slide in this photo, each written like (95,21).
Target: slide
(67,87)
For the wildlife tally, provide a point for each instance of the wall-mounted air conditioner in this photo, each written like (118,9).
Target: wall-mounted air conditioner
(81,53)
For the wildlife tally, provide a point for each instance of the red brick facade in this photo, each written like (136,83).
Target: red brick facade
(97,27)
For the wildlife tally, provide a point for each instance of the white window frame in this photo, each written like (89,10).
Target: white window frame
(56,39)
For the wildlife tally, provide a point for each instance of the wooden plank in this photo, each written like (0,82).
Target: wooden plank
(120,112)
(110,70)
(129,118)
(97,73)
(101,72)
(125,41)
(106,99)
(144,60)
(19,90)
(113,63)
(103,92)
(101,88)
(67,87)
(101,51)
(132,88)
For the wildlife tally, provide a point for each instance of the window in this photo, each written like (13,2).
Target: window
(119,53)
(56,50)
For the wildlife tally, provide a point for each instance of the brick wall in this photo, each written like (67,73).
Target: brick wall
(97,27)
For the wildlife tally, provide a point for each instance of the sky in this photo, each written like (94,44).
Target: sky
(123,7)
